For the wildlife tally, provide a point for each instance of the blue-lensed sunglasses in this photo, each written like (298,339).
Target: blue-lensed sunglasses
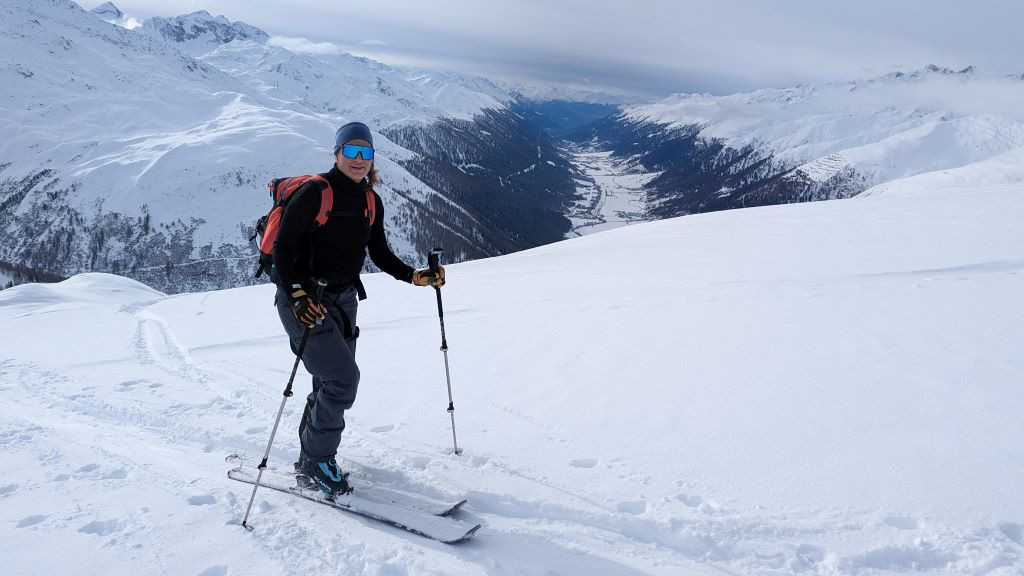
(353,150)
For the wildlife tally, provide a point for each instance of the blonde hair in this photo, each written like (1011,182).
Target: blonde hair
(372,177)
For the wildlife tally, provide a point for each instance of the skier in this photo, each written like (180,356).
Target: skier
(334,252)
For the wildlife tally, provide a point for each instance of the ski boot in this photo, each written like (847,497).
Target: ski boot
(322,473)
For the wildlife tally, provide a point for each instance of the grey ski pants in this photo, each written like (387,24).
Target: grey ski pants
(330,356)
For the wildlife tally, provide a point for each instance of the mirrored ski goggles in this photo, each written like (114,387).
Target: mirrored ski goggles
(353,150)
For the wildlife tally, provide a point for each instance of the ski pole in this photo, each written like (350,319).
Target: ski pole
(320,284)
(434,262)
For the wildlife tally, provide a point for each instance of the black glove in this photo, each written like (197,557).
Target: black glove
(427,277)
(307,312)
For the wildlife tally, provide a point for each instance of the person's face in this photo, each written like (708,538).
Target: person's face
(355,168)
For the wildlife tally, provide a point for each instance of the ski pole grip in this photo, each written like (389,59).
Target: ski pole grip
(434,259)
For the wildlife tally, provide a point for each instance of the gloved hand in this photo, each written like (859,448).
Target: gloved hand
(306,311)
(426,277)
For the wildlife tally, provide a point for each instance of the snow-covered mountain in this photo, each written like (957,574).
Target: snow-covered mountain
(822,389)
(814,142)
(113,15)
(128,155)
(460,136)
(199,32)
(145,152)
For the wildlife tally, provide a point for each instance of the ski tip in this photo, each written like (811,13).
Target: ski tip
(457,506)
(469,533)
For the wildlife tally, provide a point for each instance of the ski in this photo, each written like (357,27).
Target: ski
(402,498)
(373,492)
(440,528)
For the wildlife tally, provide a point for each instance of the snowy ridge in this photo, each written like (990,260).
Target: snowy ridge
(884,128)
(829,388)
(570,94)
(355,87)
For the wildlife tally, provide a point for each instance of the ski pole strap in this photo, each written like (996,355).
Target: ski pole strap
(360,289)
(349,330)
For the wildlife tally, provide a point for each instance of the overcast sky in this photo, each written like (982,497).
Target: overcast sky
(645,47)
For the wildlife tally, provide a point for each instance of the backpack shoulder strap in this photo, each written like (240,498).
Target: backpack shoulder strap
(371,205)
(326,199)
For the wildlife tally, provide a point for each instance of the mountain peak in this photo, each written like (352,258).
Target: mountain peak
(108,9)
(929,70)
(113,15)
(199,32)
(942,70)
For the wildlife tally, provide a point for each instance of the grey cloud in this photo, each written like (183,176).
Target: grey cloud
(648,46)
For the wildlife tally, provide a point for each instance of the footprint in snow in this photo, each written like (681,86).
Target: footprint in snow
(808,555)
(8,489)
(119,474)
(219,570)
(902,522)
(256,430)
(690,500)
(386,428)
(15,437)
(31,520)
(202,500)
(128,385)
(1014,532)
(583,463)
(634,507)
(103,527)
(478,461)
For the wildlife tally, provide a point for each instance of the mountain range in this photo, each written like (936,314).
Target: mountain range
(142,148)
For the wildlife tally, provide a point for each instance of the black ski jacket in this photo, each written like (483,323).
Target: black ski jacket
(337,250)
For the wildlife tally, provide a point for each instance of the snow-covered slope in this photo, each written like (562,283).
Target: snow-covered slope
(884,128)
(703,153)
(824,388)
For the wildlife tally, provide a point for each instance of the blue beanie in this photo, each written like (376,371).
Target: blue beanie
(352,131)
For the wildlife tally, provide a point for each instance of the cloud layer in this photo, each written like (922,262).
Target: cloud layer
(645,46)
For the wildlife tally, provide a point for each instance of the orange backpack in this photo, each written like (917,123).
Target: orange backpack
(281,190)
